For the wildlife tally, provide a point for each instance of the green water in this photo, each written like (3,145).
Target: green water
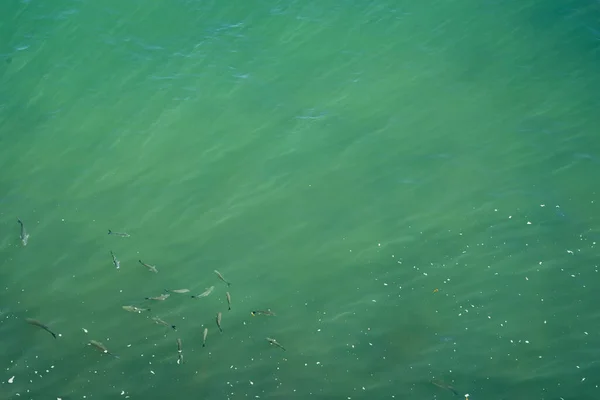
(337,161)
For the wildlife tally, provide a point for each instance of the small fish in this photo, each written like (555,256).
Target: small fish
(161,322)
(205,293)
(40,325)
(150,267)
(179,352)
(204,337)
(221,277)
(122,234)
(219,322)
(262,312)
(135,309)
(444,385)
(275,343)
(181,291)
(101,347)
(228,300)
(162,297)
(24,235)
(115,261)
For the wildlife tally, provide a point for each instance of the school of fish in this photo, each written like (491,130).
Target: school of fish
(24,238)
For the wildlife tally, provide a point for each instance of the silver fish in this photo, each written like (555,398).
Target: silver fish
(262,312)
(228,300)
(445,386)
(40,325)
(221,277)
(150,267)
(219,322)
(275,343)
(179,352)
(135,309)
(161,322)
(205,293)
(122,234)
(180,291)
(162,297)
(115,261)
(101,347)
(24,235)
(204,337)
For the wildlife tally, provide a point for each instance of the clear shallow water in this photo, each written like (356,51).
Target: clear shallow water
(338,162)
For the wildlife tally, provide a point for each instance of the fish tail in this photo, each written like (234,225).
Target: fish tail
(19,221)
(228,284)
(203,344)
(109,231)
(229,308)
(174,327)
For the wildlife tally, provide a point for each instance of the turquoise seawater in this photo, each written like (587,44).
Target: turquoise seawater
(411,187)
